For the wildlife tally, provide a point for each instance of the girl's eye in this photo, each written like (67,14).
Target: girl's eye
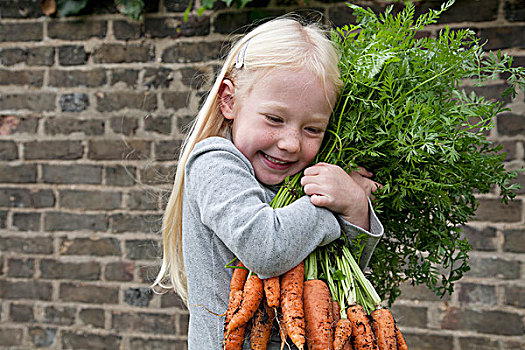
(314,130)
(273,118)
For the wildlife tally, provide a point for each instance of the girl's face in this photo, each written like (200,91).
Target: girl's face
(280,124)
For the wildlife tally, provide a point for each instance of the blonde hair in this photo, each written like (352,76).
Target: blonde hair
(280,43)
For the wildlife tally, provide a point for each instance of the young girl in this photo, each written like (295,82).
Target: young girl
(264,120)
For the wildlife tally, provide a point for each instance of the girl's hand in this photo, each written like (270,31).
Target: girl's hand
(331,187)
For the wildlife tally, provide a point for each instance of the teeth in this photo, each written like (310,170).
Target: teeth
(274,160)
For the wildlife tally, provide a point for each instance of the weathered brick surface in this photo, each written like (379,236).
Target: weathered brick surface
(72,55)
(33,101)
(81,340)
(90,246)
(77,29)
(73,78)
(72,174)
(24,268)
(32,31)
(92,317)
(53,150)
(143,322)
(93,111)
(52,269)
(61,221)
(118,53)
(490,322)
(87,293)
(42,337)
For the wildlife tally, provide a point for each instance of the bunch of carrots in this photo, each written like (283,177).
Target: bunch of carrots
(312,313)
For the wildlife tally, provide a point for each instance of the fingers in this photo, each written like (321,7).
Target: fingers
(319,200)
(363,172)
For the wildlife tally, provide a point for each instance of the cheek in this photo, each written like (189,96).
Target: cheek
(310,149)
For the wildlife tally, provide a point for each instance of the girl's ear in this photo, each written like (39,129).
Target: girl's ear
(226,99)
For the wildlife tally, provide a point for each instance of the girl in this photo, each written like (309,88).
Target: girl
(264,120)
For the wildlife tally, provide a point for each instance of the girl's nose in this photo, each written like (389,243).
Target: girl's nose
(289,142)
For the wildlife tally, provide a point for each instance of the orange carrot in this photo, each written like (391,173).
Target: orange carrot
(251,298)
(235,339)
(384,330)
(362,334)
(262,327)
(336,311)
(239,277)
(272,291)
(318,315)
(343,333)
(401,343)
(292,304)
(233,305)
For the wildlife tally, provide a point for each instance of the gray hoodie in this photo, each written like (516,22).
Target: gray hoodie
(226,215)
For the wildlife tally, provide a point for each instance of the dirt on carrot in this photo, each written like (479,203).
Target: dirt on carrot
(292,304)
(362,334)
(343,333)
(272,291)
(401,343)
(251,298)
(262,327)
(384,329)
(235,339)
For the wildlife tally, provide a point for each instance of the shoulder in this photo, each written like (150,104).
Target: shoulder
(216,154)
(212,144)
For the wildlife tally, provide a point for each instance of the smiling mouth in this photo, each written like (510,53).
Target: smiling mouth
(275,160)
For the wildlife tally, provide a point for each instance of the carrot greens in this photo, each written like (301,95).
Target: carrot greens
(404,114)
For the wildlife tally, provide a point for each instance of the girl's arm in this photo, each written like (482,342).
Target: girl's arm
(221,184)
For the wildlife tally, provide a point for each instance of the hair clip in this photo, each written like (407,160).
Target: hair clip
(239,61)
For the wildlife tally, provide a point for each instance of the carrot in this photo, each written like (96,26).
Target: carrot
(343,333)
(401,343)
(271,291)
(235,339)
(318,315)
(252,295)
(384,330)
(336,311)
(292,304)
(233,305)
(239,277)
(262,327)
(362,334)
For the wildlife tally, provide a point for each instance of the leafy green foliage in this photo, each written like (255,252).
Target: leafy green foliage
(131,8)
(70,7)
(403,115)
(209,4)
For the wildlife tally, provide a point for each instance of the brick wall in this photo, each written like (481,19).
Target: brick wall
(92,113)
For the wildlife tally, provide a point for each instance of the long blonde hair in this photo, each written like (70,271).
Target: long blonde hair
(283,42)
